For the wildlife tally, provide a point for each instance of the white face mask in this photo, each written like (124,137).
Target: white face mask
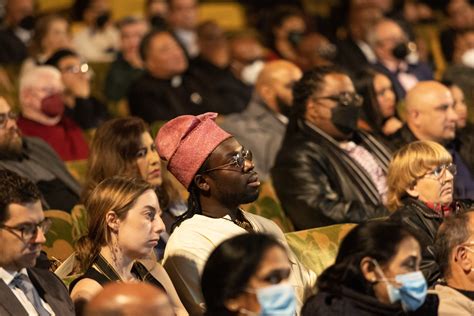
(250,72)
(468,58)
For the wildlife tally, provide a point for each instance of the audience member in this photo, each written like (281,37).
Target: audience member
(395,57)
(124,225)
(283,32)
(327,171)
(261,126)
(80,105)
(420,194)
(315,50)
(183,20)
(128,65)
(453,247)
(156,12)
(130,299)
(379,107)
(16,33)
(51,33)
(32,158)
(460,17)
(430,115)
(377,272)
(99,40)
(219,175)
(42,113)
(246,57)
(130,151)
(353,52)
(167,89)
(211,67)
(26,290)
(258,282)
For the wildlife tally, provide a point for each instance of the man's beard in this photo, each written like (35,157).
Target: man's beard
(284,108)
(12,145)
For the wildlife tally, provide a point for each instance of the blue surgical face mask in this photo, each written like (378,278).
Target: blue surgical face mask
(275,300)
(411,293)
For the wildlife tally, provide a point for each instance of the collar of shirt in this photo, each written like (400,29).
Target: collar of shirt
(8,276)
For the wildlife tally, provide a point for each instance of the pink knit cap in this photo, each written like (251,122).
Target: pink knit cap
(186,141)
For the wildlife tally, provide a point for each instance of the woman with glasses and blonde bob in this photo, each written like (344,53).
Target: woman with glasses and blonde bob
(420,194)
(124,225)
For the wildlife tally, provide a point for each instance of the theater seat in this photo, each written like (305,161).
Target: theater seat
(59,239)
(317,248)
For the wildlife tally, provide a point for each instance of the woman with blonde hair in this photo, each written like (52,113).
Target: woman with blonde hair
(420,194)
(124,226)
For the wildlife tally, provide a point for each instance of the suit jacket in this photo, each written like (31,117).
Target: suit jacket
(350,56)
(50,288)
(258,129)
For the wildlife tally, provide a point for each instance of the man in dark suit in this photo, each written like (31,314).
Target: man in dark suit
(25,290)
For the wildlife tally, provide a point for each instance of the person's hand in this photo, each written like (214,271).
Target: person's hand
(392,125)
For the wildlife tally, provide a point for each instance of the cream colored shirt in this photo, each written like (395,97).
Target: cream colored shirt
(8,277)
(192,242)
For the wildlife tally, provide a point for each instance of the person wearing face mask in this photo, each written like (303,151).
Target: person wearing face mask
(327,171)
(376,272)
(42,113)
(99,41)
(261,126)
(420,195)
(397,58)
(455,256)
(256,285)
(15,35)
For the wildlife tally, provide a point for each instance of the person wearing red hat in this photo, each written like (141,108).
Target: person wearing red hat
(219,175)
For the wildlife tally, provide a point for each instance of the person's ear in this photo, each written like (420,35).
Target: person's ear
(201,182)
(461,258)
(413,191)
(112,221)
(233,304)
(367,267)
(266,93)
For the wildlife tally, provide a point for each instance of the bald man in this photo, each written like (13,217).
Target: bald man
(262,125)
(129,299)
(430,115)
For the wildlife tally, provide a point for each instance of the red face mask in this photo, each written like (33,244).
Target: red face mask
(52,105)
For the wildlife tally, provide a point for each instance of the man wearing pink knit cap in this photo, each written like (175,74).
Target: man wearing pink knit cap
(219,175)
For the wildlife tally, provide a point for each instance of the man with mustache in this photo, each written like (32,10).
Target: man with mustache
(430,115)
(327,171)
(219,175)
(33,158)
(26,290)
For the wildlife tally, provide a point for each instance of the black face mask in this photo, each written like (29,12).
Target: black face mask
(284,108)
(102,19)
(27,23)
(400,51)
(157,22)
(345,117)
(294,37)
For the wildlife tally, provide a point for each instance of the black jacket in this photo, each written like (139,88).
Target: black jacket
(318,184)
(424,222)
(351,303)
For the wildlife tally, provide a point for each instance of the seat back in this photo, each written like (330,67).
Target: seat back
(59,239)
(317,248)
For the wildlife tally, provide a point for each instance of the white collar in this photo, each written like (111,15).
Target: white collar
(8,276)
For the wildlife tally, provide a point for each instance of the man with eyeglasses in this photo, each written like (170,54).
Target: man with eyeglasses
(454,246)
(327,171)
(26,290)
(76,75)
(430,115)
(34,159)
(261,126)
(219,174)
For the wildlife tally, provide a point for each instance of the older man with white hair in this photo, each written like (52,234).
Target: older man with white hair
(42,113)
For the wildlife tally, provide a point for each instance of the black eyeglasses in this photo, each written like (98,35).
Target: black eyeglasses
(344,98)
(4,117)
(238,161)
(439,171)
(29,231)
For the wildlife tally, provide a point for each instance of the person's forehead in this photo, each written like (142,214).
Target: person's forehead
(24,213)
(134,27)
(389,29)
(69,60)
(162,40)
(4,107)
(337,82)
(228,146)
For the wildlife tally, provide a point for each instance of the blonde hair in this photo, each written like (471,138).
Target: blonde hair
(410,163)
(117,194)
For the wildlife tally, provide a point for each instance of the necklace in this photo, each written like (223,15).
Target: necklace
(242,222)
